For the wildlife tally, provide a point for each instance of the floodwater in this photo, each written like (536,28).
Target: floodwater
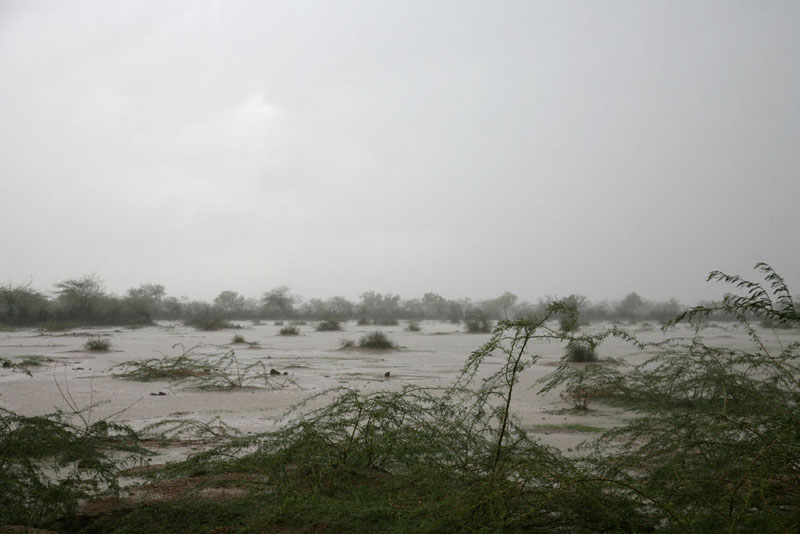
(72,377)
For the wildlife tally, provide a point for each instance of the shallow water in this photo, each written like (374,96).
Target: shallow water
(313,363)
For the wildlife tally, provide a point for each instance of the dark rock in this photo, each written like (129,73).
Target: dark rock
(273,372)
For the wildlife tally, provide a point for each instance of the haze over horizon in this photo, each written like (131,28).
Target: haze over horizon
(464,148)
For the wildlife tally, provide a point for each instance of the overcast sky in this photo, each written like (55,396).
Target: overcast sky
(466,148)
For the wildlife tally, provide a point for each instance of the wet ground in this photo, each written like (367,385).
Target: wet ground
(69,376)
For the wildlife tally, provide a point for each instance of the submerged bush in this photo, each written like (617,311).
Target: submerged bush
(238,338)
(204,371)
(290,331)
(328,325)
(413,326)
(97,344)
(376,340)
(580,351)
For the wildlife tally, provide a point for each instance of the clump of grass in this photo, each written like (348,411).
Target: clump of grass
(238,338)
(413,326)
(376,340)
(580,351)
(328,325)
(347,344)
(97,344)
(289,331)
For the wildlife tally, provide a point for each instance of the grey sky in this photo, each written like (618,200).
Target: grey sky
(468,148)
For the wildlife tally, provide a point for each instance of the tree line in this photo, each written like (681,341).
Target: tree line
(85,301)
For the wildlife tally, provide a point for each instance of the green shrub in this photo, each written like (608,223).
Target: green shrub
(238,338)
(376,340)
(290,331)
(328,325)
(413,326)
(580,351)
(97,344)
(50,464)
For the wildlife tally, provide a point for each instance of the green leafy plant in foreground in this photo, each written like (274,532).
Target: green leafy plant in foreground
(49,463)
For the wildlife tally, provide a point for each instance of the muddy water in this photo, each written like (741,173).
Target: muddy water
(313,363)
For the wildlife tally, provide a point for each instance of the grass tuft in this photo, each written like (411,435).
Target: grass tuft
(289,331)
(328,325)
(376,340)
(97,344)
(580,351)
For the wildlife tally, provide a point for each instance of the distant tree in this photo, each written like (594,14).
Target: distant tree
(505,303)
(21,305)
(145,300)
(278,303)
(569,320)
(434,306)
(412,309)
(230,304)
(630,307)
(376,308)
(339,308)
(81,298)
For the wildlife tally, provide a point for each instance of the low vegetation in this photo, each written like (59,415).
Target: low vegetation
(50,463)
(203,371)
(581,351)
(328,325)
(289,331)
(97,344)
(713,446)
(376,340)
(413,326)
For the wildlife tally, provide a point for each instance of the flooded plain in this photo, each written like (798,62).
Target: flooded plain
(64,375)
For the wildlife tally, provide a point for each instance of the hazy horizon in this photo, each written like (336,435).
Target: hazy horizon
(461,147)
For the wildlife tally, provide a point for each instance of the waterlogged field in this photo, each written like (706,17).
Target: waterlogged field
(691,430)
(268,374)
